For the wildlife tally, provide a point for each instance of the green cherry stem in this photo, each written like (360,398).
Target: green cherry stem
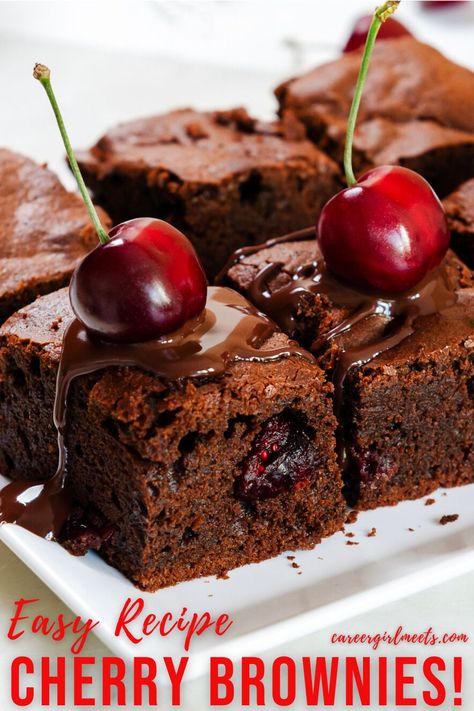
(381,14)
(43,75)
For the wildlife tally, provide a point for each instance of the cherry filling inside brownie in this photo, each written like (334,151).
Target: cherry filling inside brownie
(223,178)
(44,232)
(402,368)
(189,455)
(417,110)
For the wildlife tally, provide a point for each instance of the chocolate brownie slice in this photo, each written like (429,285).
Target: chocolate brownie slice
(195,476)
(223,178)
(417,110)
(459,208)
(407,415)
(44,231)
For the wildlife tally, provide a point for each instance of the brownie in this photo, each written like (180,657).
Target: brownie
(459,208)
(169,466)
(407,416)
(44,231)
(417,110)
(223,178)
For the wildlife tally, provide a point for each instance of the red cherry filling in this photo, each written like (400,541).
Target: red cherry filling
(385,232)
(142,284)
(282,458)
(389,30)
(373,467)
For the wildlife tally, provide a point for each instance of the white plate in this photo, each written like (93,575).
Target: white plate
(271,603)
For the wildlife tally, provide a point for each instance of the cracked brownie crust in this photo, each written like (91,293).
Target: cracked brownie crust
(223,178)
(44,231)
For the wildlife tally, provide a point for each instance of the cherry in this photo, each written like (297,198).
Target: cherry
(389,30)
(440,4)
(384,233)
(388,229)
(282,458)
(143,280)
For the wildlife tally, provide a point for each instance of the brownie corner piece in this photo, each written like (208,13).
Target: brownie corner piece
(224,178)
(407,416)
(195,477)
(417,110)
(44,232)
(424,439)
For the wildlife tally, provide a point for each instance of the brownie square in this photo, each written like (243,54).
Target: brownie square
(459,208)
(44,231)
(223,178)
(417,110)
(167,463)
(407,416)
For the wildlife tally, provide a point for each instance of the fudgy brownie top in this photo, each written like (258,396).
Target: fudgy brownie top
(201,147)
(383,141)
(407,80)
(44,231)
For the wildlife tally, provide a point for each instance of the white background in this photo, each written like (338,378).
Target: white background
(118,60)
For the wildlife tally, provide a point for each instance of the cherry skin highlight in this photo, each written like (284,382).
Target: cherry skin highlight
(389,30)
(144,283)
(386,232)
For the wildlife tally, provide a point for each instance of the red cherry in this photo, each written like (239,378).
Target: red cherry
(440,4)
(144,283)
(389,30)
(385,232)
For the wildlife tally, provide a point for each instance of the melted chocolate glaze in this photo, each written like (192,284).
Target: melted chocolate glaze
(432,295)
(229,330)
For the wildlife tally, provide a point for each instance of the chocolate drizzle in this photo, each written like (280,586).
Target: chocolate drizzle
(398,314)
(229,330)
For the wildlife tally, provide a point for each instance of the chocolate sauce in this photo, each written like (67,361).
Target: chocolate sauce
(399,313)
(229,330)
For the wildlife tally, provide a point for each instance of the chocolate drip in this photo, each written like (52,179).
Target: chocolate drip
(399,313)
(229,330)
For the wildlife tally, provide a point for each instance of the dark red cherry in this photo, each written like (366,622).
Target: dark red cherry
(441,4)
(144,283)
(389,30)
(385,232)
(282,458)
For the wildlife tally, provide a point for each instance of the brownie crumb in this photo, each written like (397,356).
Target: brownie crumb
(448,519)
(299,573)
(195,131)
(430,502)
(412,530)
(295,565)
(349,535)
(351,543)
(290,557)
(352,517)
(372,533)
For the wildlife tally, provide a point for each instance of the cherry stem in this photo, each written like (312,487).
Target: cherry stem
(381,14)
(43,75)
